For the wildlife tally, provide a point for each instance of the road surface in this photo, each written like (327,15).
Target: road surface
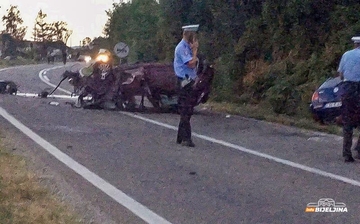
(120,167)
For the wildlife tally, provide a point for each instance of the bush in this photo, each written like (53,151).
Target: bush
(16,61)
(224,80)
(284,98)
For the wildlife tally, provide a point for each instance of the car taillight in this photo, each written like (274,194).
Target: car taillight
(315,96)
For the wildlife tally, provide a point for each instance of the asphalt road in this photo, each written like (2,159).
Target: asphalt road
(120,167)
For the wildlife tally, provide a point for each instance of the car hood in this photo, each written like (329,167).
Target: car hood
(330,83)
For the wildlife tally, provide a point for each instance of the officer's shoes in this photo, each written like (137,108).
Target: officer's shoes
(178,140)
(188,144)
(349,159)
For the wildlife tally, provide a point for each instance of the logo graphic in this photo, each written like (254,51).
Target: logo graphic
(326,205)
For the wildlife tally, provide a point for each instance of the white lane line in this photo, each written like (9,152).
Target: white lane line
(14,67)
(255,153)
(46,78)
(41,76)
(4,69)
(33,95)
(326,139)
(48,97)
(138,209)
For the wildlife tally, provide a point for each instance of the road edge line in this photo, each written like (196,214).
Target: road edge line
(120,197)
(255,153)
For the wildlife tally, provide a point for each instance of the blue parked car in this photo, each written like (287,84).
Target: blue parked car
(325,103)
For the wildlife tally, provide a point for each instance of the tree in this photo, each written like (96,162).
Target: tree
(173,15)
(8,45)
(12,22)
(55,31)
(41,27)
(136,23)
(59,31)
(86,41)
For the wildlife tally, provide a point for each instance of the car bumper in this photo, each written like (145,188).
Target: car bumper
(325,113)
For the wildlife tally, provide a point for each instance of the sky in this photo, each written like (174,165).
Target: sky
(86,18)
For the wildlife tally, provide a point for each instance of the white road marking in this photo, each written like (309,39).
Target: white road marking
(46,78)
(325,139)
(12,67)
(255,153)
(120,197)
(41,76)
(337,139)
(50,96)
(137,208)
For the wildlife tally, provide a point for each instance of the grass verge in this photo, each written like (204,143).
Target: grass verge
(22,198)
(264,112)
(18,61)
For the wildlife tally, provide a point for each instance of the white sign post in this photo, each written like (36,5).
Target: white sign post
(121,50)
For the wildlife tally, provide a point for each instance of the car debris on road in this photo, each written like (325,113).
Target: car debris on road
(8,87)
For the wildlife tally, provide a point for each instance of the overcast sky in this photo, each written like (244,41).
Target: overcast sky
(85,17)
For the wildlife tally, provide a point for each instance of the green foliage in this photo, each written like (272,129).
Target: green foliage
(8,45)
(16,61)
(223,88)
(303,41)
(265,51)
(136,24)
(284,97)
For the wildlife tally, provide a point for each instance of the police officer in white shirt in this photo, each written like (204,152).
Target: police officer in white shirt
(185,63)
(349,71)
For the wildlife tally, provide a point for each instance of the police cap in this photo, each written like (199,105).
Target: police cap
(356,39)
(193,28)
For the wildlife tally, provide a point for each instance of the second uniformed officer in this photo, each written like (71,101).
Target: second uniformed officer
(349,71)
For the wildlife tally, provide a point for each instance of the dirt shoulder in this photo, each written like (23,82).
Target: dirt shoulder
(25,194)
(264,112)
(32,191)
(24,197)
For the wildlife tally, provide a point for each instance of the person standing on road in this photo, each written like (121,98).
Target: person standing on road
(64,56)
(185,63)
(349,72)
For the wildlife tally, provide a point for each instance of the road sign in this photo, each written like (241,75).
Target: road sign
(121,50)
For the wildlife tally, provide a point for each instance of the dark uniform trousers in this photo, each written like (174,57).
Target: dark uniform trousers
(186,110)
(350,114)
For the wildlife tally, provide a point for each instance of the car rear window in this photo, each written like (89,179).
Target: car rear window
(330,83)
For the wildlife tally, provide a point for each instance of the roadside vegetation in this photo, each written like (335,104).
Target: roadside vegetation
(15,62)
(23,200)
(269,56)
(265,113)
